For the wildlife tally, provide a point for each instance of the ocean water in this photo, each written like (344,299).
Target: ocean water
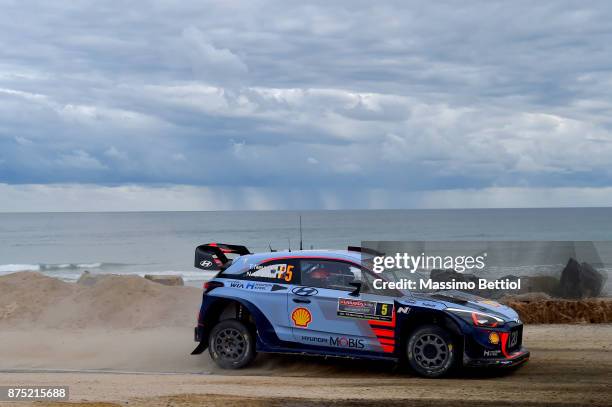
(65,244)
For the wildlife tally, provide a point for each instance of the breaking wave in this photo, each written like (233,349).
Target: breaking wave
(70,272)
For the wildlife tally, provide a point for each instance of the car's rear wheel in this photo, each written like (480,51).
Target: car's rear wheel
(231,344)
(431,351)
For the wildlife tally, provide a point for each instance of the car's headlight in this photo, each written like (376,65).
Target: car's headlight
(477,318)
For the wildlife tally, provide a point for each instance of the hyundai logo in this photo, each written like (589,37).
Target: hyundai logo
(206,263)
(305,291)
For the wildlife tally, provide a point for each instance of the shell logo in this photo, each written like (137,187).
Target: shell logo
(301,317)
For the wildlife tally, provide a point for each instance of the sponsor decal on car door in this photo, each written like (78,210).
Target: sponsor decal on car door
(266,286)
(333,318)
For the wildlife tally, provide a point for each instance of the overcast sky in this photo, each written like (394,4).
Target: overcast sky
(173,105)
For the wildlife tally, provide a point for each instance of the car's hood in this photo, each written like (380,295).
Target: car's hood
(461,300)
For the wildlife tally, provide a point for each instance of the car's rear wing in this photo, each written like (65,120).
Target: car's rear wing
(217,256)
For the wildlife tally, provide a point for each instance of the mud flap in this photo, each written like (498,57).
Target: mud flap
(200,348)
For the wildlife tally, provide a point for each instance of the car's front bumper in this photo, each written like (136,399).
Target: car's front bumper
(514,359)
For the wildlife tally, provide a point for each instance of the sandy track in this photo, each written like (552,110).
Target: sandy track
(570,365)
(128,324)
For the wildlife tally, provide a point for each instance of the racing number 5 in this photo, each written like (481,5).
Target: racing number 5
(384,309)
(288,274)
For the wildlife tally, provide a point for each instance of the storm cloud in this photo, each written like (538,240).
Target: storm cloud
(319,104)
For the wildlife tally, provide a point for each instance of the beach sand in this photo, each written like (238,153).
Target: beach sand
(126,341)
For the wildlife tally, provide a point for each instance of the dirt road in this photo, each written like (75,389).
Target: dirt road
(570,365)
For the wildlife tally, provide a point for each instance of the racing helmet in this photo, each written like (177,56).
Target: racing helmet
(320,272)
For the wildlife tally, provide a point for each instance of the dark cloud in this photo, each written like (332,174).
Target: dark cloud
(403,95)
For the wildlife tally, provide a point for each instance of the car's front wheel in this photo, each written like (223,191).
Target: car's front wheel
(231,344)
(431,351)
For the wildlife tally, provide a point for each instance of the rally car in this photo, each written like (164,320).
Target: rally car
(320,302)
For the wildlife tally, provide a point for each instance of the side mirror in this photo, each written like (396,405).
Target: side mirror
(357,285)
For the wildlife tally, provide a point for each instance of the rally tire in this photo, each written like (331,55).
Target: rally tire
(431,351)
(231,344)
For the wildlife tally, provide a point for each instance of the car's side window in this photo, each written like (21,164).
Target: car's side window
(335,275)
(279,271)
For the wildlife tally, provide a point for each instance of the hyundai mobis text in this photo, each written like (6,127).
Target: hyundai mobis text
(319,302)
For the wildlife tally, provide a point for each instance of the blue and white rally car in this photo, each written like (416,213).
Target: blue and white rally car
(319,302)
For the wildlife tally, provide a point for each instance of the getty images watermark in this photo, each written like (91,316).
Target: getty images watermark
(406,262)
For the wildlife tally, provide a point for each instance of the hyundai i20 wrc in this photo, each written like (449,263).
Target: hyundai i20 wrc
(322,302)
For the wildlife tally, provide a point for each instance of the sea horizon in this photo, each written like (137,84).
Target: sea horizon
(320,210)
(65,244)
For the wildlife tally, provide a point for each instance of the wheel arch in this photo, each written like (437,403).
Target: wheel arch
(217,308)
(223,308)
(423,316)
